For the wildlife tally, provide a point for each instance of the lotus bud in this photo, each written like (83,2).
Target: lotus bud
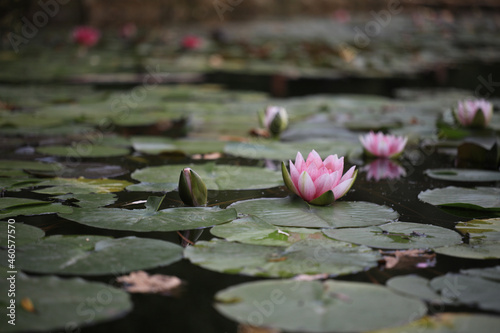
(192,189)
(274,119)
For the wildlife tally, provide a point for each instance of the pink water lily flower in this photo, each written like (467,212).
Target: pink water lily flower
(383,145)
(86,36)
(316,181)
(473,113)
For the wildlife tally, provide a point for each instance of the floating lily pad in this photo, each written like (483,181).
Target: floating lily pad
(483,243)
(20,234)
(29,165)
(152,187)
(490,273)
(479,198)
(297,213)
(397,235)
(469,290)
(17,184)
(309,256)
(313,306)
(22,206)
(82,185)
(90,200)
(282,151)
(449,323)
(157,145)
(150,219)
(216,177)
(252,230)
(59,304)
(416,286)
(86,151)
(464,175)
(84,169)
(94,255)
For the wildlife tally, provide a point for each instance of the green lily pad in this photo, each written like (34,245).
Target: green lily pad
(20,234)
(16,184)
(216,177)
(152,187)
(62,303)
(449,323)
(483,243)
(81,186)
(416,286)
(469,290)
(397,235)
(150,219)
(158,145)
(464,175)
(310,256)
(313,306)
(94,255)
(90,200)
(85,170)
(29,165)
(289,212)
(86,151)
(490,273)
(479,198)
(281,151)
(252,230)
(10,207)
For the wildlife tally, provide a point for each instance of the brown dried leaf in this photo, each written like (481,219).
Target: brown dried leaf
(142,282)
(409,259)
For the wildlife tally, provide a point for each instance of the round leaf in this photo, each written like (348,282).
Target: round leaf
(449,323)
(171,219)
(82,185)
(58,304)
(304,257)
(252,230)
(397,235)
(415,286)
(216,177)
(297,213)
(491,273)
(480,198)
(86,151)
(95,255)
(313,306)
(464,175)
(23,234)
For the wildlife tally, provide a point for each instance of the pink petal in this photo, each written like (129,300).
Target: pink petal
(294,174)
(314,157)
(323,183)
(348,174)
(306,187)
(333,163)
(300,164)
(342,188)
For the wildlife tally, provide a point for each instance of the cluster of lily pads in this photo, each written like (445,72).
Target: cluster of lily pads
(313,232)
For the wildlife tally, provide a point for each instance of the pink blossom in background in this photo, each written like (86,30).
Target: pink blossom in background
(86,36)
(383,145)
(466,112)
(383,168)
(191,42)
(312,178)
(341,16)
(128,30)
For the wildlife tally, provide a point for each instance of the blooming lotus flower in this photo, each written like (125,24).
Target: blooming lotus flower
(86,36)
(383,145)
(316,181)
(383,168)
(473,113)
(192,189)
(274,119)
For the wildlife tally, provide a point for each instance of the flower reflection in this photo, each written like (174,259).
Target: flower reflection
(384,168)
